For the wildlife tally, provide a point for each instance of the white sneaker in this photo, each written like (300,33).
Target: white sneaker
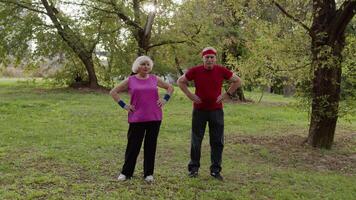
(121,177)
(149,179)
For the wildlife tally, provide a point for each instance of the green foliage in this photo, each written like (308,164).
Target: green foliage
(348,78)
(69,72)
(16,31)
(277,51)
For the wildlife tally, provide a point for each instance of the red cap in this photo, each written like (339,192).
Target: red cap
(208,51)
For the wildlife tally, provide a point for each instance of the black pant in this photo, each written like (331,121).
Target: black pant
(135,135)
(215,120)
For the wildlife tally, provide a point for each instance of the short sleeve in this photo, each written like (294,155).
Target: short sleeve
(190,74)
(226,73)
(154,78)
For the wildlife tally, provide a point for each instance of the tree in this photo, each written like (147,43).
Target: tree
(131,15)
(72,39)
(141,24)
(83,48)
(327,34)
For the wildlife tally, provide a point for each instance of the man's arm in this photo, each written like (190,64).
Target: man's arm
(183,85)
(235,82)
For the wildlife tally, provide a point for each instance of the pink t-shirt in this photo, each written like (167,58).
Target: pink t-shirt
(144,97)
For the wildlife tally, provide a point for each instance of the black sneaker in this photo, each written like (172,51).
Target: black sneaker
(193,174)
(217,176)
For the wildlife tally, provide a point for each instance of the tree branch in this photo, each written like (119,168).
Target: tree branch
(136,10)
(36,23)
(291,17)
(123,17)
(97,38)
(90,6)
(344,15)
(166,42)
(22,5)
(192,37)
(67,34)
(150,19)
(52,16)
(198,29)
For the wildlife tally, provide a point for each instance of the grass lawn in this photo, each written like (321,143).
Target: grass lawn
(60,143)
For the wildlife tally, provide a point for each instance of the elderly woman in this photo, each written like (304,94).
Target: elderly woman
(144,115)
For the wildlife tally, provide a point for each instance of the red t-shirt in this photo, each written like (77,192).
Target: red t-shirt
(208,85)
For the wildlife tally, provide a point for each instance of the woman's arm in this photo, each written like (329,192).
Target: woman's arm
(169,88)
(122,87)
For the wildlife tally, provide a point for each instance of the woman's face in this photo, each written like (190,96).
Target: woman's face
(144,68)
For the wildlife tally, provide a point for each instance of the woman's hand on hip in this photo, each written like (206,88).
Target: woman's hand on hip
(129,108)
(161,102)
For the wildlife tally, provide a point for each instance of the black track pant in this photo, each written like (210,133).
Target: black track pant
(215,121)
(147,131)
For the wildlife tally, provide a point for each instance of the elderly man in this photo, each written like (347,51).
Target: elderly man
(208,80)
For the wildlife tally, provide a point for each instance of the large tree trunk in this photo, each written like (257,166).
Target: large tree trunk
(143,42)
(326,96)
(143,34)
(328,39)
(89,66)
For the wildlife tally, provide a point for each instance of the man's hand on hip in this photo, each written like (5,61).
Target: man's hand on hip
(195,98)
(221,97)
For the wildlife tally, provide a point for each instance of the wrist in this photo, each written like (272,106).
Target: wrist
(121,103)
(166,97)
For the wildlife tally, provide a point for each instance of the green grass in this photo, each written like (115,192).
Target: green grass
(66,144)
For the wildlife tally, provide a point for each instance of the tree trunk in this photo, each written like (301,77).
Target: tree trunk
(239,95)
(288,90)
(328,41)
(141,40)
(179,69)
(89,66)
(325,102)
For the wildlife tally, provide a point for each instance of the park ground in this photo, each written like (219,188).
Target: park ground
(60,143)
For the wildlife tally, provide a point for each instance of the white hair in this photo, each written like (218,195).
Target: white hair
(139,60)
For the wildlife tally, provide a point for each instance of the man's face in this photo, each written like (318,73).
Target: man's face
(209,61)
